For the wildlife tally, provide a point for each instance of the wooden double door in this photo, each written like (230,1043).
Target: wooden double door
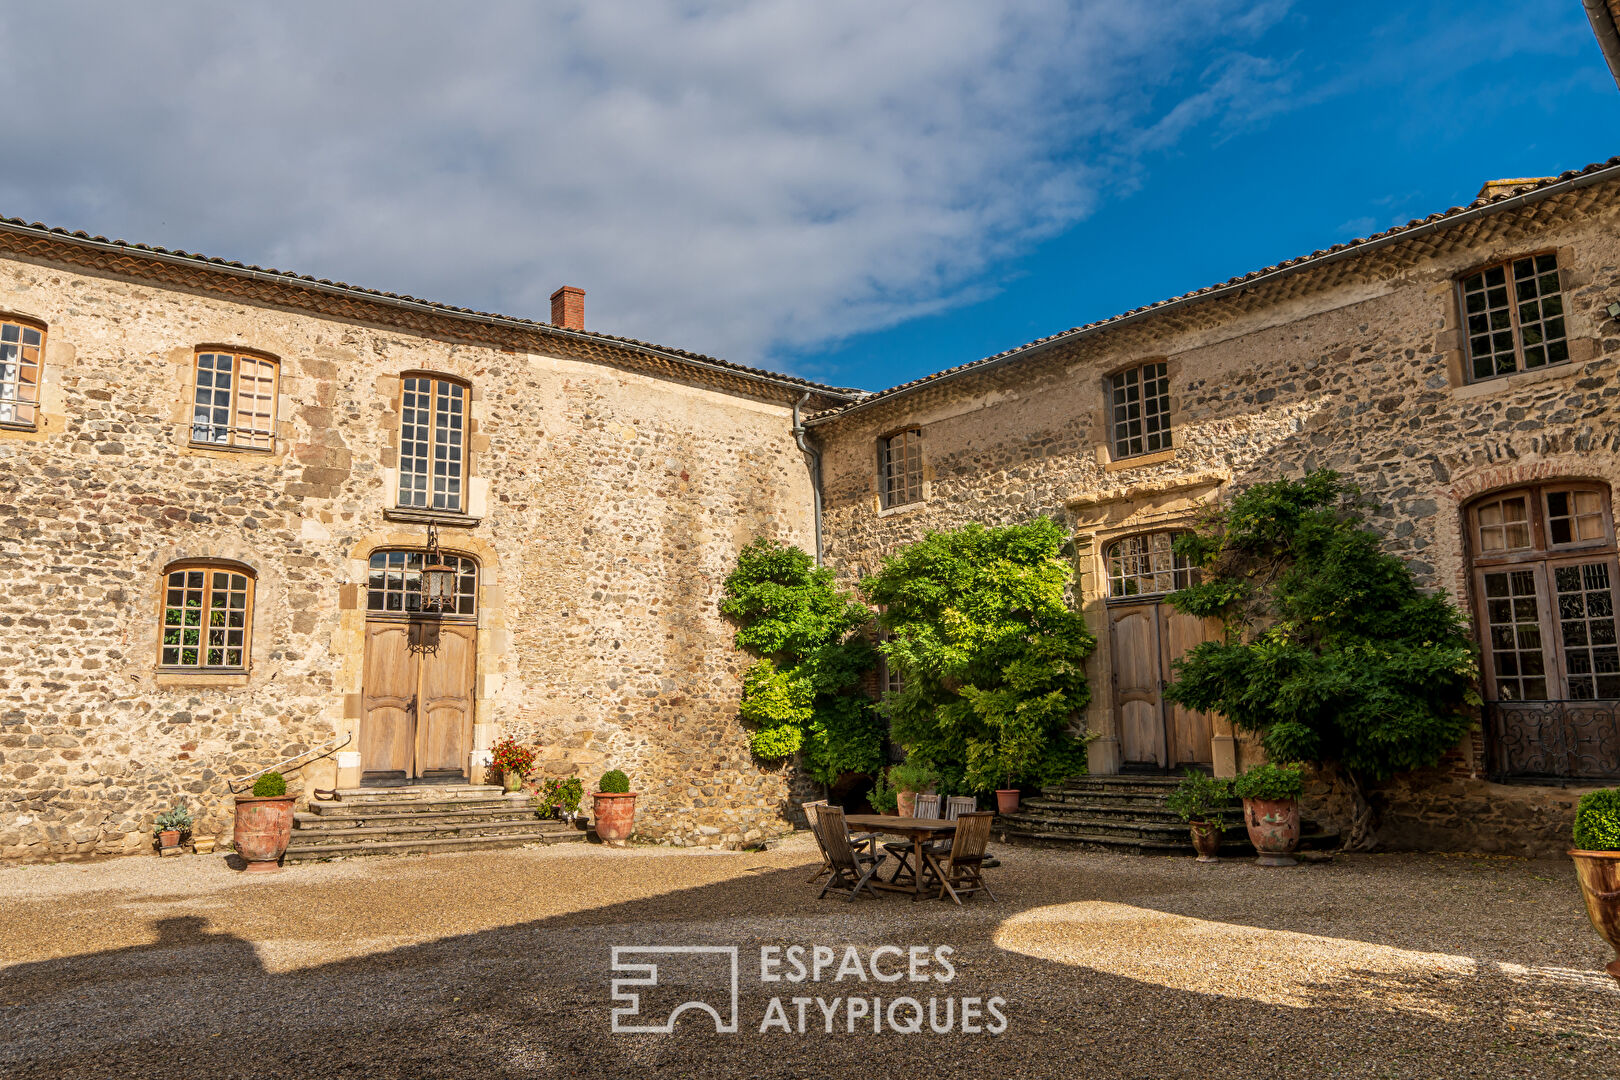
(1155,734)
(417,720)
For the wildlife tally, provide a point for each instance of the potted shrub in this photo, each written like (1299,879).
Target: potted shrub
(615,808)
(264,823)
(910,779)
(1597,864)
(1201,801)
(884,798)
(171,826)
(514,761)
(1270,795)
(559,798)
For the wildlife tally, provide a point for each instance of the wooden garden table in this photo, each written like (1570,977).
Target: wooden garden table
(918,830)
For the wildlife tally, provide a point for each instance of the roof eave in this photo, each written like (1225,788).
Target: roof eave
(1601,15)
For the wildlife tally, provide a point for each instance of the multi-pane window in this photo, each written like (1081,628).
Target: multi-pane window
(432,443)
(1544,573)
(20,346)
(394,584)
(1140,399)
(900,473)
(1146,565)
(1513,316)
(234,402)
(207,617)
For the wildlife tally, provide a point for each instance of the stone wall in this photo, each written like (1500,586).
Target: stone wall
(1354,366)
(610,506)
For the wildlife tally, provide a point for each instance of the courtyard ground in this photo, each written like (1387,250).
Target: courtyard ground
(498,965)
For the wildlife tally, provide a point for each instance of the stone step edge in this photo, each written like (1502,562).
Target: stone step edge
(470,829)
(415,806)
(477,813)
(425,847)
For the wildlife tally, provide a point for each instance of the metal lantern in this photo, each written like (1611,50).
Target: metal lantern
(438,578)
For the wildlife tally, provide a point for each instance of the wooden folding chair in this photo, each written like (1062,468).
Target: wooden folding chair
(862,842)
(961,870)
(852,870)
(927,807)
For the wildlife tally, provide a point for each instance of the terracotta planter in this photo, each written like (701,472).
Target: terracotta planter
(1273,829)
(1599,875)
(615,816)
(1007,801)
(1206,839)
(169,838)
(512,781)
(263,828)
(905,804)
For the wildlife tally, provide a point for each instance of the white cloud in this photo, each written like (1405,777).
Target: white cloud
(736,179)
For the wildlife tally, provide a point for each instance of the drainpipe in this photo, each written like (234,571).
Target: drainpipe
(815,468)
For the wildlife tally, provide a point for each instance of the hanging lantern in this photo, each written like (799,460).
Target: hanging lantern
(438,578)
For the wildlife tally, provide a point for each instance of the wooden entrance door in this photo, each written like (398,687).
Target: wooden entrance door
(1153,733)
(418,700)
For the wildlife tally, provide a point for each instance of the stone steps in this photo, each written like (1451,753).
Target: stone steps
(421,819)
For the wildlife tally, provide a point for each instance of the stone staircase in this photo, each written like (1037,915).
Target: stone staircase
(419,820)
(1125,813)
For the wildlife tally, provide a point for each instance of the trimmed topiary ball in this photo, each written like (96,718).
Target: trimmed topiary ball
(269,786)
(1597,821)
(614,782)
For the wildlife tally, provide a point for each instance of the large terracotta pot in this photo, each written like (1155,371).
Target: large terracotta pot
(169,838)
(1599,875)
(1273,829)
(263,828)
(1206,839)
(1007,801)
(905,803)
(615,816)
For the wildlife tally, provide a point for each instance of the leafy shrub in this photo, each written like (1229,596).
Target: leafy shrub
(270,786)
(559,797)
(179,819)
(510,758)
(884,798)
(991,656)
(1332,654)
(912,776)
(1270,781)
(1201,797)
(803,694)
(614,782)
(1597,821)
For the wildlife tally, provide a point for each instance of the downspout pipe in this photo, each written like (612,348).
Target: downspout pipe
(815,468)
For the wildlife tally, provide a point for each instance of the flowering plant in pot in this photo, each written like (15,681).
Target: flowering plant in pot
(264,823)
(1202,802)
(513,761)
(909,779)
(1270,795)
(615,809)
(172,825)
(1597,864)
(559,798)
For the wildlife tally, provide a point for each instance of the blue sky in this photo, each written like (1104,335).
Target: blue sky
(852,192)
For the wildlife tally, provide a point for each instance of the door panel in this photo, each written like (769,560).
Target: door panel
(387,726)
(444,725)
(1138,713)
(1190,733)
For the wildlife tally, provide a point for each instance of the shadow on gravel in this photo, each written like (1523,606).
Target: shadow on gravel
(532,999)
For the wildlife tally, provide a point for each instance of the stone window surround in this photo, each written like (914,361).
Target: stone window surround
(474,443)
(277,438)
(182,363)
(1451,342)
(1103,418)
(49,417)
(141,663)
(208,566)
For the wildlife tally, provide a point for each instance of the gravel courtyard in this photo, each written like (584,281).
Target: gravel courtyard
(498,965)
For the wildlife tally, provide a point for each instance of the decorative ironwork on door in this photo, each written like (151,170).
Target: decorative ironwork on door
(1564,740)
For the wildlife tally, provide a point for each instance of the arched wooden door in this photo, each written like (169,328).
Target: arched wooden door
(1146,637)
(417,715)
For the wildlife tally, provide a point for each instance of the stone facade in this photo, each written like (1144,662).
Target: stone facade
(1352,362)
(610,487)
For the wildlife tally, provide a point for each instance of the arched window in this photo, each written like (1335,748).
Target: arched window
(1543,575)
(234,400)
(207,616)
(394,585)
(1145,565)
(20,366)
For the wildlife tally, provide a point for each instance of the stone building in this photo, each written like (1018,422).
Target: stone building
(216,486)
(181,436)
(1461,369)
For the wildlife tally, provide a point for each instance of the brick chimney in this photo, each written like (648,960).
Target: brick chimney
(568,308)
